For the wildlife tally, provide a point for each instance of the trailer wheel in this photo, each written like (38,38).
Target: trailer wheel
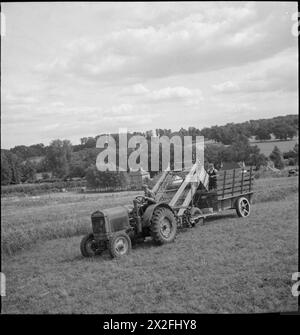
(163,226)
(88,246)
(119,245)
(243,207)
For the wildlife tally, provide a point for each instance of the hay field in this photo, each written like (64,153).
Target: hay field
(226,265)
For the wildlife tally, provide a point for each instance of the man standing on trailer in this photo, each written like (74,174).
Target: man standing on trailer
(212,172)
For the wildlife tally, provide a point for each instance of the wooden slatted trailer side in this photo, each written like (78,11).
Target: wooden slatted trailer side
(232,184)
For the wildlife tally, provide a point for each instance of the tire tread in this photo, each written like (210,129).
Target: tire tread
(155,225)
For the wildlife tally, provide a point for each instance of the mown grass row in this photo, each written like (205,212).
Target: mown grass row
(274,189)
(27,221)
(35,189)
(24,225)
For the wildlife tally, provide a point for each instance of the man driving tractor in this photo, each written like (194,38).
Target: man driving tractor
(149,195)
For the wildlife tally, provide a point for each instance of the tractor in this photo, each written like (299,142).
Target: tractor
(175,205)
(117,228)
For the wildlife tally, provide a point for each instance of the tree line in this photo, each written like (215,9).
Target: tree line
(230,143)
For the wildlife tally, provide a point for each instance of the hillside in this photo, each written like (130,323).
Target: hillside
(266,147)
(64,160)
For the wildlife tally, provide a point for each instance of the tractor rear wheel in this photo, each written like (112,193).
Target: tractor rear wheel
(119,245)
(163,226)
(243,207)
(89,247)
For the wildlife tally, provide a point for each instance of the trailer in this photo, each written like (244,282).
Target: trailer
(192,201)
(181,199)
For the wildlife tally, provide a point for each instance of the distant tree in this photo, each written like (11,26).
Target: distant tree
(256,158)
(192,131)
(81,160)
(25,152)
(206,133)
(77,169)
(28,171)
(276,157)
(11,169)
(5,169)
(293,155)
(182,131)
(83,141)
(292,161)
(36,150)
(239,151)
(88,142)
(91,143)
(92,177)
(21,151)
(96,178)
(214,153)
(15,165)
(163,132)
(58,157)
(215,134)
(283,131)
(291,132)
(149,134)
(230,133)
(41,166)
(284,127)
(296,150)
(262,134)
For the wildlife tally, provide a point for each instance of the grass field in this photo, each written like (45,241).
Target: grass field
(226,265)
(25,220)
(267,147)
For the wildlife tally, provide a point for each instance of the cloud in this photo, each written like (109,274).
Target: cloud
(173,93)
(57,104)
(144,66)
(168,94)
(227,86)
(213,38)
(19,99)
(126,110)
(135,90)
(129,116)
(277,74)
(121,110)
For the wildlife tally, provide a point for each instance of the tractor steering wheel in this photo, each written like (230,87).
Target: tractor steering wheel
(140,199)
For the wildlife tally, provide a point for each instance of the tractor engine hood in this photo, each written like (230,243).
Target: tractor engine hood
(116,218)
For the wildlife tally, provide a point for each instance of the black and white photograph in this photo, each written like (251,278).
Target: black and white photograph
(149,161)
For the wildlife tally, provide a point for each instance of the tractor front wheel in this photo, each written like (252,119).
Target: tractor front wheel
(163,226)
(243,207)
(89,247)
(119,245)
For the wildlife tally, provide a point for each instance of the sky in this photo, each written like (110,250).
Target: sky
(72,70)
